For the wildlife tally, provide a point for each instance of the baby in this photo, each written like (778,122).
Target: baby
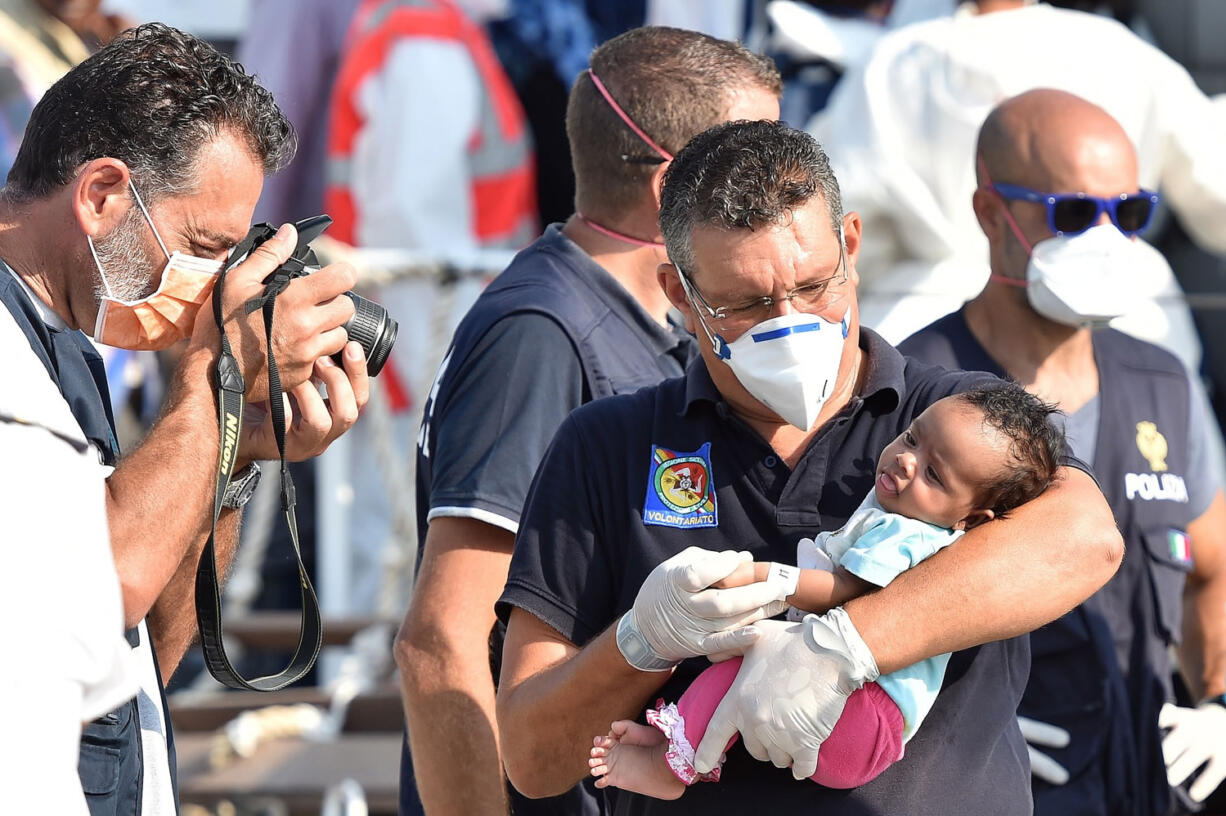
(968,459)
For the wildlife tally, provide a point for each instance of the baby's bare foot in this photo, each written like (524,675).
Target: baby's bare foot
(631,757)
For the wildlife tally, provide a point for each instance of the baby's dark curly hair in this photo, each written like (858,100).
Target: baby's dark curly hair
(1036,444)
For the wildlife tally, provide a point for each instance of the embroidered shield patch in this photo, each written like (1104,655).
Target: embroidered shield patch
(679,489)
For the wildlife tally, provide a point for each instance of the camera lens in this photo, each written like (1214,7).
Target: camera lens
(374,330)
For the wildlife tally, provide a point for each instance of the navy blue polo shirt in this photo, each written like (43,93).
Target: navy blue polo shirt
(632,480)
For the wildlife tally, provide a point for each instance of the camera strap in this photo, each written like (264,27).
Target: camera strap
(230,390)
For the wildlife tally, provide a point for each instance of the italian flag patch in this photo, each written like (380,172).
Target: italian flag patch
(1181,550)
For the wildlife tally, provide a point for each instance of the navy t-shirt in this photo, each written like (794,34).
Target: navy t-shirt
(632,480)
(509,380)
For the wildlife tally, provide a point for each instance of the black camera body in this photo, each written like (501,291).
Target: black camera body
(370,326)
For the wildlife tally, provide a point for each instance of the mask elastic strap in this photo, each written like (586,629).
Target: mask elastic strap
(718,345)
(638,131)
(1013,225)
(98,263)
(617,236)
(141,204)
(1017,232)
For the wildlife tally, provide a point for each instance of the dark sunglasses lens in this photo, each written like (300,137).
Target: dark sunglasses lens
(1074,215)
(1133,213)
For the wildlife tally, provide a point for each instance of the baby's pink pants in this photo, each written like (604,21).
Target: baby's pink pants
(866,740)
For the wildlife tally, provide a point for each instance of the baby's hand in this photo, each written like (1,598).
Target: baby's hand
(746,573)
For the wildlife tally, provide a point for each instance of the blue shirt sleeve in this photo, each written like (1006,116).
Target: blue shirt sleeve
(505,403)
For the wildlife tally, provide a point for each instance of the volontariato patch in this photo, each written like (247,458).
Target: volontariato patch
(680,492)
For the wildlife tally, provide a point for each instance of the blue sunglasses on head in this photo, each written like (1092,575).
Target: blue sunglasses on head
(1074,213)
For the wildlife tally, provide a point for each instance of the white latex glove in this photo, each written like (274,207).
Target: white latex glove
(790,691)
(1198,736)
(1047,736)
(676,616)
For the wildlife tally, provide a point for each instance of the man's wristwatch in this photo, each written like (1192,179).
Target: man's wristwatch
(242,487)
(1218,700)
(635,648)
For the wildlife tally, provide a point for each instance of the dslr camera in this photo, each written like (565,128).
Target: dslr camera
(370,326)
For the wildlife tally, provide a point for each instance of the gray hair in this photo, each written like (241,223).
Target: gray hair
(743,175)
(152,98)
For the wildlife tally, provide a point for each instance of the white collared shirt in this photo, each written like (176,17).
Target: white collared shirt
(61,608)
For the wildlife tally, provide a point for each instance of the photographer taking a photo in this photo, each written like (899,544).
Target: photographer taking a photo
(139,171)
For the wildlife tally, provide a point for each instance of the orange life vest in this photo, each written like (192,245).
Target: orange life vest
(500,158)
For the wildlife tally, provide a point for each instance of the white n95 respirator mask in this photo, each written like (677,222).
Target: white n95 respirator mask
(1085,279)
(788,363)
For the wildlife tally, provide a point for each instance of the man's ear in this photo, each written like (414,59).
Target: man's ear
(974,519)
(100,195)
(852,237)
(986,204)
(670,282)
(657,182)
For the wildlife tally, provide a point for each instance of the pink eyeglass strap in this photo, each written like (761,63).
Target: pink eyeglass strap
(625,118)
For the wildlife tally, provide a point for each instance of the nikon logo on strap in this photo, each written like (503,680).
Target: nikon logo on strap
(227,445)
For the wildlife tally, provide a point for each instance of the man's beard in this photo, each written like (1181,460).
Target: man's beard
(123,255)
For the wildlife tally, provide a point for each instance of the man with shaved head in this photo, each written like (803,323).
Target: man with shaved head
(901,132)
(1059,203)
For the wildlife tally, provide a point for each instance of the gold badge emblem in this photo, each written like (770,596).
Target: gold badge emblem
(1152,445)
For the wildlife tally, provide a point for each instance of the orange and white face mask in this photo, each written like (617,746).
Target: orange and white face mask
(164,317)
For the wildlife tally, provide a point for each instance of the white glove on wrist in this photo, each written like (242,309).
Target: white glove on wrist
(676,616)
(790,691)
(1046,736)
(1197,737)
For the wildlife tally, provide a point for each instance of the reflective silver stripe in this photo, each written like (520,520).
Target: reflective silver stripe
(496,154)
(494,157)
(385,10)
(338,171)
(523,233)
